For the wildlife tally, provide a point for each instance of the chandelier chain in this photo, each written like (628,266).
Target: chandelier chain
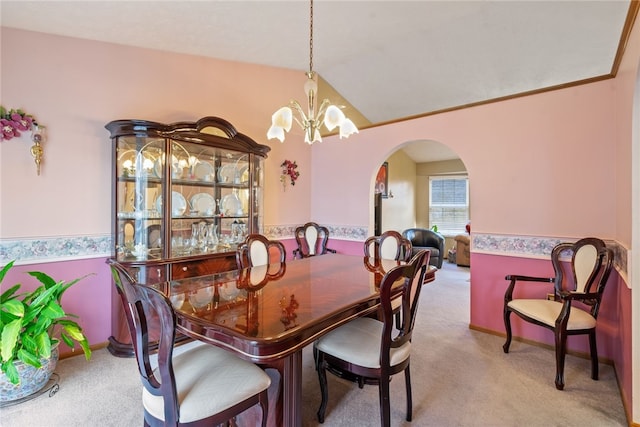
(328,114)
(311,39)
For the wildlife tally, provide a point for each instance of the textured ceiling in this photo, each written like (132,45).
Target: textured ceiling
(389,59)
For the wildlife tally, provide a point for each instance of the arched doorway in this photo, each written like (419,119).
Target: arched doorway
(409,169)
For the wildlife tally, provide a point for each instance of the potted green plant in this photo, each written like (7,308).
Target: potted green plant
(31,326)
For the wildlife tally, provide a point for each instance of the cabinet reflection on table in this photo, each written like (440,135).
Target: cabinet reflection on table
(230,299)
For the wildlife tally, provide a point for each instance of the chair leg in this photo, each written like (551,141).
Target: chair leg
(594,354)
(407,380)
(322,378)
(507,327)
(385,411)
(561,351)
(264,405)
(315,356)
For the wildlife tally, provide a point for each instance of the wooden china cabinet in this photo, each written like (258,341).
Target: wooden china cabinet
(184,195)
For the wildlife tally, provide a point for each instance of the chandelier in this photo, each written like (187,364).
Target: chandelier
(310,122)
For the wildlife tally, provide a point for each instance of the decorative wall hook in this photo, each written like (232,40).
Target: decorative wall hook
(36,149)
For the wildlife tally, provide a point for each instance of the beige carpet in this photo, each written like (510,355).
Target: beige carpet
(460,377)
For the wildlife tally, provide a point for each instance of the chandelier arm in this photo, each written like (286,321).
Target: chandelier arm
(322,109)
(296,106)
(304,122)
(302,125)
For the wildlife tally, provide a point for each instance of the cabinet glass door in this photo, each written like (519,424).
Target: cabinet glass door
(138,187)
(209,199)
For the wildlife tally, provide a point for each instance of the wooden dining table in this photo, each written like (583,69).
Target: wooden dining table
(268,314)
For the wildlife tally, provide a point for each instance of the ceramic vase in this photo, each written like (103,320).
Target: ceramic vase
(32,379)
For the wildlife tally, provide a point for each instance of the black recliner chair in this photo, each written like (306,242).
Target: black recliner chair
(422,238)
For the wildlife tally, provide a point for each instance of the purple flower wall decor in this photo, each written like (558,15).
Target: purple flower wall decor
(289,170)
(14,122)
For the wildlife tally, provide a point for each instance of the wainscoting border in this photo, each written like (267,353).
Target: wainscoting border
(67,248)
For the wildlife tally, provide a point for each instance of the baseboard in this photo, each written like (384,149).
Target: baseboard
(78,351)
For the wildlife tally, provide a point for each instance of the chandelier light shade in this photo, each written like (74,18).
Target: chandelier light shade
(311,120)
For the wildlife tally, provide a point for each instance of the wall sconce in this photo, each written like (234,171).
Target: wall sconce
(38,137)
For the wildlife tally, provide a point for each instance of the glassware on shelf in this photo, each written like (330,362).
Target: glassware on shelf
(196,236)
(204,237)
(140,251)
(212,236)
(180,246)
(238,231)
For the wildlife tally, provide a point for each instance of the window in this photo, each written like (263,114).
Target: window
(449,203)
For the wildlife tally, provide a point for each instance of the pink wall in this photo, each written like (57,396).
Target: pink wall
(523,151)
(626,81)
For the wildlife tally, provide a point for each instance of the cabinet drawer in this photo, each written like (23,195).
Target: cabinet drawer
(181,270)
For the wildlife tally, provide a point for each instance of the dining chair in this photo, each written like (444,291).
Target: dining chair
(370,351)
(312,240)
(204,385)
(257,250)
(582,280)
(388,245)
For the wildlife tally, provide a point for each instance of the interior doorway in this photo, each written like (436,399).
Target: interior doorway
(409,168)
(377,214)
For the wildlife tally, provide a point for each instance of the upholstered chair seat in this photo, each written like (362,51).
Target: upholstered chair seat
(209,380)
(358,342)
(547,312)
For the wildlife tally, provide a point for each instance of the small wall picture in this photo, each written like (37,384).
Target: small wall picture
(382,180)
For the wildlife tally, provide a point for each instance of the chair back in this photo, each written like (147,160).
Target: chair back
(423,237)
(389,245)
(591,263)
(403,282)
(257,250)
(147,309)
(312,240)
